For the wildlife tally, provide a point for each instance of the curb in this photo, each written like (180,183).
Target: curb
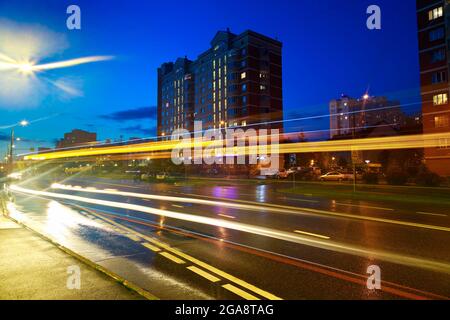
(128,284)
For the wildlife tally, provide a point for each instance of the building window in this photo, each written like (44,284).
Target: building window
(244,123)
(441,121)
(438,55)
(436,34)
(243,75)
(262,87)
(439,77)
(440,99)
(435,13)
(232,112)
(244,99)
(244,87)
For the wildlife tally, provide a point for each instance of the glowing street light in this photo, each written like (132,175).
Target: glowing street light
(25,68)
(22,123)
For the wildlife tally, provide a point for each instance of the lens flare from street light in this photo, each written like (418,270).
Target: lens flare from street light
(25,68)
(24,123)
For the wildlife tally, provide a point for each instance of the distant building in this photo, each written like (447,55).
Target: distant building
(433,17)
(350,117)
(237,82)
(76,138)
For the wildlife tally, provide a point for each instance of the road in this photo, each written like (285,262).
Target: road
(243,241)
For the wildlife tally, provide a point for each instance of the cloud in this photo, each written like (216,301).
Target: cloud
(25,51)
(140,130)
(30,41)
(25,43)
(6,137)
(132,114)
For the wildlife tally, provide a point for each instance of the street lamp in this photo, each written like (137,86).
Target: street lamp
(22,123)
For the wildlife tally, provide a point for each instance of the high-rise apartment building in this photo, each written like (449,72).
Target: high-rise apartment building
(349,116)
(433,17)
(237,82)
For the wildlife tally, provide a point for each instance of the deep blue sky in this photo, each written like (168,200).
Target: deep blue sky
(327,50)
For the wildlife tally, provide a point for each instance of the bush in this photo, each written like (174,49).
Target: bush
(428,179)
(396,177)
(370,178)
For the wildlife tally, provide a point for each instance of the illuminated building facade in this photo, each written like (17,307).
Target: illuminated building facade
(237,82)
(350,116)
(433,18)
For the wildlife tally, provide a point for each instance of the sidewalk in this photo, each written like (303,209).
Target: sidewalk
(32,268)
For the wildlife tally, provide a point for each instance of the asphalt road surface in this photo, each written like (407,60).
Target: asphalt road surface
(243,242)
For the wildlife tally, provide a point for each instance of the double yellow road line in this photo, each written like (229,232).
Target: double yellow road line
(197,266)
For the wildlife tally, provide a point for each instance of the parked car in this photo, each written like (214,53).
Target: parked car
(282,174)
(333,176)
(15,176)
(292,170)
(162,176)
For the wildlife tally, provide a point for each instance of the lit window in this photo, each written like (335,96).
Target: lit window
(244,123)
(440,99)
(244,87)
(435,13)
(262,87)
(243,75)
(441,121)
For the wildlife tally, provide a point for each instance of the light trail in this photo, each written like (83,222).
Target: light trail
(245,205)
(256,230)
(363,144)
(144,196)
(9,126)
(28,67)
(70,63)
(312,234)
(360,279)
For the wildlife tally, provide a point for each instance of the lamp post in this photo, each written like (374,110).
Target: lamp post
(22,123)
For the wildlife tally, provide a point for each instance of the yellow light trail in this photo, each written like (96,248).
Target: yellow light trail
(428,264)
(383,143)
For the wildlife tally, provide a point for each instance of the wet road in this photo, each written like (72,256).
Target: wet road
(243,241)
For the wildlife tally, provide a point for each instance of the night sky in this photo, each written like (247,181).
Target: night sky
(327,50)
